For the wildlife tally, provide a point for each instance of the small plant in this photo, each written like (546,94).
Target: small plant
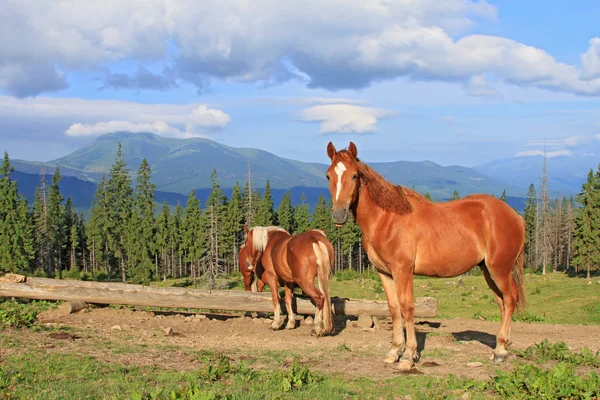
(559,382)
(296,377)
(347,275)
(527,317)
(18,315)
(343,348)
(536,291)
(545,351)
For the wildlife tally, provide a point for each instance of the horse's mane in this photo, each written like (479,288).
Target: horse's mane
(386,195)
(320,231)
(260,236)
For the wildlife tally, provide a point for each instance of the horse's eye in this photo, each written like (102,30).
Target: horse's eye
(354,177)
(327,176)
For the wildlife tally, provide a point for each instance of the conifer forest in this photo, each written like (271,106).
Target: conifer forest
(128,237)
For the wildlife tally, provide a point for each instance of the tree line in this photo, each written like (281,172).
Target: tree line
(127,238)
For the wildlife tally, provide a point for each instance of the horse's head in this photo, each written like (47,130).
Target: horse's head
(252,255)
(344,182)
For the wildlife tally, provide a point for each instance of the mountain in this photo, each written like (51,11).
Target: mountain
(566,174)
(180,165)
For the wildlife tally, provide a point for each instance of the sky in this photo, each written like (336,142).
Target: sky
(456,82)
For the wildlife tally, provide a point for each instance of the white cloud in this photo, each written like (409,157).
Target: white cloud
(344,118)
(159,127)
(577,141)
(590,61)
(478,86)
(549,154)
(96,117)
(273,41)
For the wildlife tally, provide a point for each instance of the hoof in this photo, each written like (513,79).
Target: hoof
(499,358)
(405,365)
(318,332)
(290,326)
(275,327)
(390,358)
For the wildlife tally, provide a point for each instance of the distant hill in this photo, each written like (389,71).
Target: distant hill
(566,174)
(180,165)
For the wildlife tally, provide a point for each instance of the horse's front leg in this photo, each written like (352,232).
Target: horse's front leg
(391,295)
(289,293)
(403,278)
(274,284)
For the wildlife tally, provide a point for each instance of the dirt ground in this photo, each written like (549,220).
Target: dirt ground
(133,337)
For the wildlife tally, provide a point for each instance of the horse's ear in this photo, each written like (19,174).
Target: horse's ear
(330,150)
(352,149)
(245,229)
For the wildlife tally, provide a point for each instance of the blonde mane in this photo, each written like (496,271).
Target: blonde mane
(320,231)
(260,236)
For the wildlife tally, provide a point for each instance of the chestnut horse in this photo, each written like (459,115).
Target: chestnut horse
(405,234)
(294,260)
(251,273)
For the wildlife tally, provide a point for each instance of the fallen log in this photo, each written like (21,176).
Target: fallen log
(72,306)
(174,297)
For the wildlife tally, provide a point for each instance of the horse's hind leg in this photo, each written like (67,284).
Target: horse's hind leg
(273,282)
(289,293)
(310,289)
(505,290)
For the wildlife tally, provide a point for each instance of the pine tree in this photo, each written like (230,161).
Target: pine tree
(503,196)
(285,212)
(455,195)
(530,216)
(351,236)
(56,224)
(587,226)
(141,244)
(16,236)
(428,196)
(265,215)
(120,194)
(568,232)
(250,200)
(301,216)
(321,217)
(71,237)
(174,239)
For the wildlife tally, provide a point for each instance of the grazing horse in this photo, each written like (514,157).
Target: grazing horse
(406,234)
(251,273)
(294,260)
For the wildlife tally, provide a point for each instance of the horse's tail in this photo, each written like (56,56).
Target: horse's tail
(517,275)
(254,281)
(324,262)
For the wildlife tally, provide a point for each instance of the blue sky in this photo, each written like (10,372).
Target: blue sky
(451,81)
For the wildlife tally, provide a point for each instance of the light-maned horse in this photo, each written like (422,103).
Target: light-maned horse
(250,273)
(294,260)
(405,234)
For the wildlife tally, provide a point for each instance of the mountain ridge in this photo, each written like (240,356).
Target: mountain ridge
(180,165)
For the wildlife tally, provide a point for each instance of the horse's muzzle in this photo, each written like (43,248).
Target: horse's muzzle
(340,216)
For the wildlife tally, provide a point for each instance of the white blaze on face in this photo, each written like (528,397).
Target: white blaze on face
(339,170)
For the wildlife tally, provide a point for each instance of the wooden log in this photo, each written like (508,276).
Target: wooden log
(72,306)
(174,297)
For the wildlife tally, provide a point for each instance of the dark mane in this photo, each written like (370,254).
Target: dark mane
(383,193)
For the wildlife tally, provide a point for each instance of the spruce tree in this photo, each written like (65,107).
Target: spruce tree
(100,228)
(321,217)
(285,212)
(503,196)
(40,224)
(120,194)
(141,246)
(265,215)
(587,226)
(233,226)
(455,195)
(178,237)
(16,236)
(301,216)
(193,238)
(530,216)
(162,240)
(428,196)
(56,224)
